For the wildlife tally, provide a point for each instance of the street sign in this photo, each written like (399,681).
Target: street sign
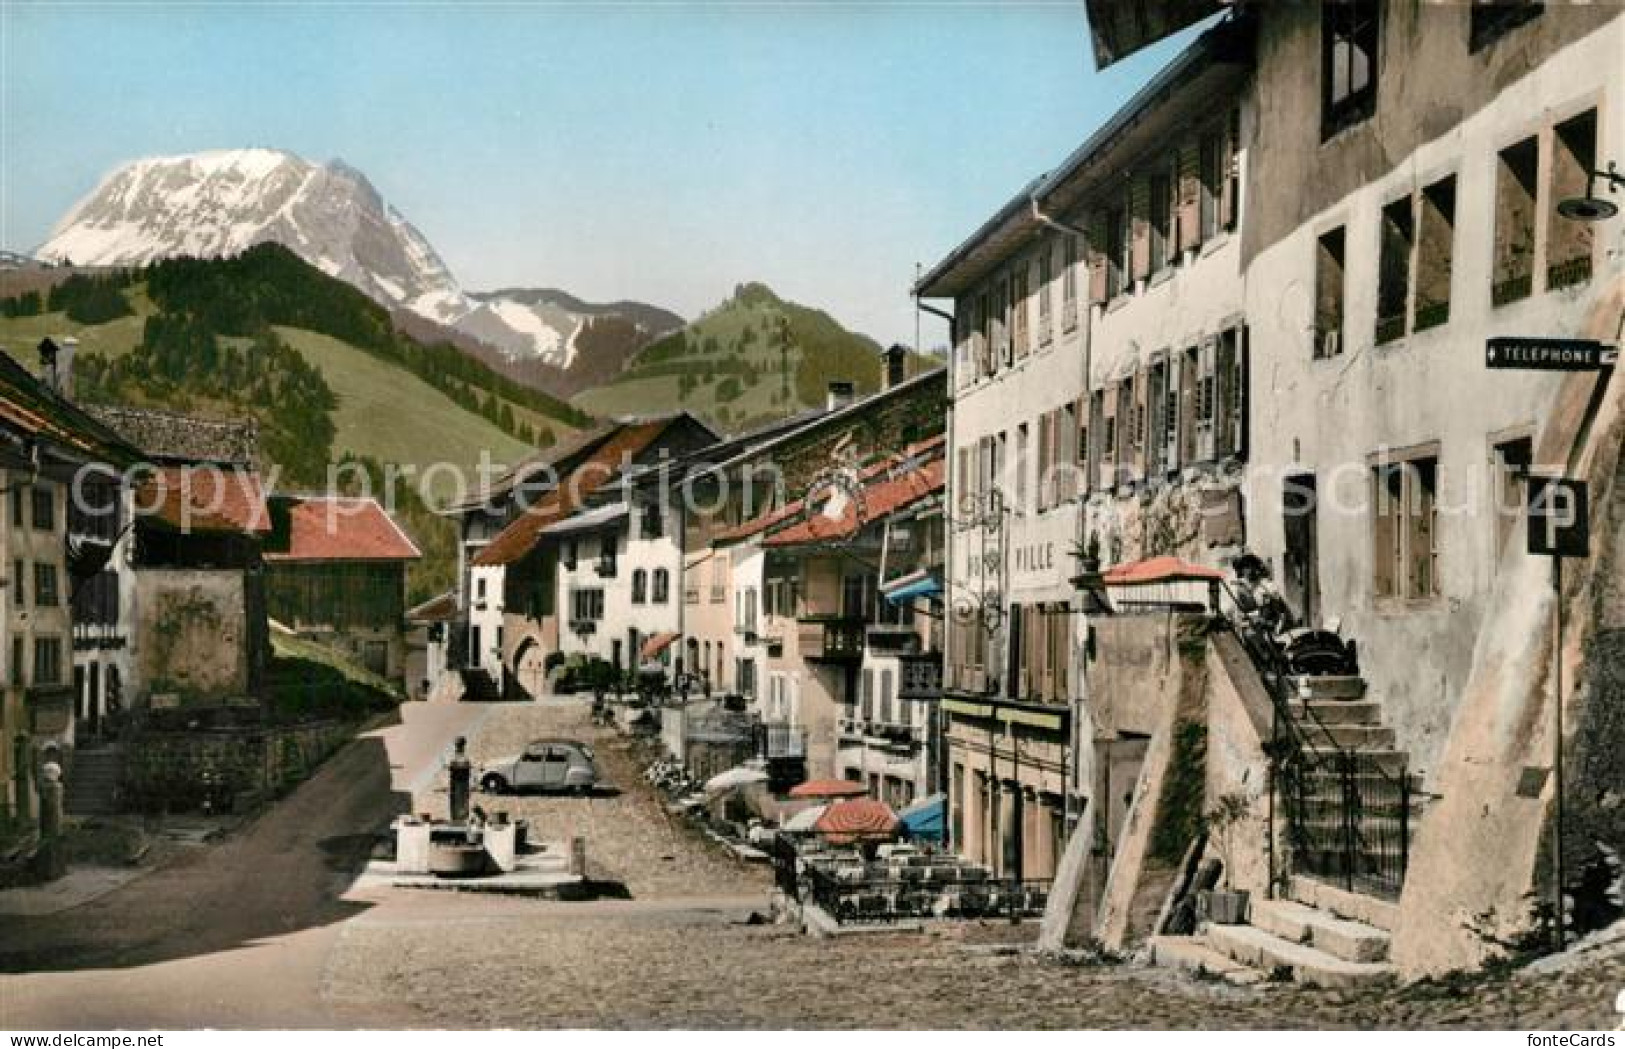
(1559,517)
(1548,355)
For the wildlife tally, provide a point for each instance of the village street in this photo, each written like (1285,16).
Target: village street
(265,929)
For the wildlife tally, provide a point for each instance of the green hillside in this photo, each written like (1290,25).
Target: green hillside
(314,361)
(753,358)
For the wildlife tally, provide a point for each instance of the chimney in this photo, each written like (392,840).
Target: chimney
(895,362)
(56,364)
(840,395)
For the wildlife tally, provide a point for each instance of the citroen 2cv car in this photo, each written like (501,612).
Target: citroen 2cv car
(546,765)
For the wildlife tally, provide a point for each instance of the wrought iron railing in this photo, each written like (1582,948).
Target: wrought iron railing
(870,900)
(1569,272)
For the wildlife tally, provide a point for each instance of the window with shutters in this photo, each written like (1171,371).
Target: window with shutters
(1349,34)
(1125,431)
(1001,323)
(1394,269)
(1140,232)
(1019,488)
(1162,233)
(1328,330)
(1069,282)
(1435,244)
(1210,167)
(1230,195)
(1046,265)
(1404,529)
(1020,304)
(1189,397)
(1141,384)
(1157,400)
(1568,243)
(1230,394)
(1117,250)
(1207,400)
(1517,172)
(1041,454)
(1070,456)
(1098,448)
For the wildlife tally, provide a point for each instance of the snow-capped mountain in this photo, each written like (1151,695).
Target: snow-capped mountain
(221,202)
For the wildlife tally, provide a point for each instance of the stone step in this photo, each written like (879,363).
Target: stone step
(1328,687)
(1393,762)
(1269,953)
(1349,735)
(1349,940)
(1191,954)
(1338,711)
(1355,906)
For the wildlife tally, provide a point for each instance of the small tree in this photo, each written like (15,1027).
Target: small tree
(1222,820)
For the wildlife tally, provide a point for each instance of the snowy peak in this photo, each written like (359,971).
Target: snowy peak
(224,201)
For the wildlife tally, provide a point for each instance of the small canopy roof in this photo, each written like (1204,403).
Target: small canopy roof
(924,819)
(657,644)
(1157,570)
(829,788)
(922,583)
(857,819)
(733,779)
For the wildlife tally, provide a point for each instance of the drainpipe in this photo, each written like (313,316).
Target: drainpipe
(937,776)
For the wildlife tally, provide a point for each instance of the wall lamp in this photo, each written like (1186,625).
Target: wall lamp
(1592,208)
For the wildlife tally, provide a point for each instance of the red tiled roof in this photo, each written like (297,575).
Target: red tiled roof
(1165,569)
(522,535)
(337,528)
(765,521)
(438,609)
(205,499)
(879,500)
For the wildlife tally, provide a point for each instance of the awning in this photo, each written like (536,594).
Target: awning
(733,779)
(925,818)
(829,788)
(1159,570)
(657,644)
(916,584)
(581,522)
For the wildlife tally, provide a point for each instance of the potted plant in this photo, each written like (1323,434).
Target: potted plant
(1226,905)
(1087,554)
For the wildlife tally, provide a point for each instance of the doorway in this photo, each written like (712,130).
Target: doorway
(1300,575)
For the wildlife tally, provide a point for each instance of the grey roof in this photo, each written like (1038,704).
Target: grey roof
(170,438)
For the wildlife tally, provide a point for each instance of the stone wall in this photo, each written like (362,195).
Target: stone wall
(195,638)
(168,771)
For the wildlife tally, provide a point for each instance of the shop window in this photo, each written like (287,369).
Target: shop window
(1435,243)
(1515,189)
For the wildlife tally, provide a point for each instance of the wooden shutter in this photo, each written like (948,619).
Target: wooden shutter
(1421,576)
(1206,399)
(1142,422)
(1188,218)
(1097,437)
(1140,229)
(1095,250)
(1239,395)
(1228,181)
(1386,504)
(1170,416)
(1225,395)
(1189,394)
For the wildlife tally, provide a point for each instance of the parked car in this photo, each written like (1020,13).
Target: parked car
(546,765)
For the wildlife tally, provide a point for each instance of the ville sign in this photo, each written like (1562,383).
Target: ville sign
(1548,355)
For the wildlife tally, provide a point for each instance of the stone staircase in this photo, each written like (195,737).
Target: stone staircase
(93,784)
(1319,935)
(1322,934)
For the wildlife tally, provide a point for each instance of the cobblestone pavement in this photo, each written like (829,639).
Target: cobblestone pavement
(681,953)
(630,838)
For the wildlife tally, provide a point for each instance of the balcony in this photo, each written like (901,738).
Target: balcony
(891,637)
(777,740)
(921,676)
(832,640)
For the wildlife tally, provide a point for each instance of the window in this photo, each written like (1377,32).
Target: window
(1348,62)
(640,586)
(44,509)
(662,586)
(1019,484)
(17,507)
(568,555)
(1512,460)
(1018,309)
(1515,189)
(1492,19)
(1042,450)
(606,557)
(1069,282)
(1117,248)
(1435,242)
(1230,392)
(1328,331)
(587,604)
(18,678)
(1210,175)
(47,661)
(1156,456)
(1394,270)
(19,597)
(1405,555)
(45,594)
(1162,195)
(1189,403)
(1046,266)
(1100,437)
(1568,243)
(479,588)
(653,525)
(1230,196)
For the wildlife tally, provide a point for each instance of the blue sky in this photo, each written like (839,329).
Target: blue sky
(662,152)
